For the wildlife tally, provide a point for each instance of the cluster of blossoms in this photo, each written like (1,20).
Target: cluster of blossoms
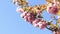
(33,14)
(53,8)
(30,17)
(40,23)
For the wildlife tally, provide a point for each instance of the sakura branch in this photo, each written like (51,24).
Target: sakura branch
(33,14)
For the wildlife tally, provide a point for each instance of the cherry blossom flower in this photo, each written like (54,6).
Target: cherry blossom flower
(23,14)
(26,18)
(52,9)
(35,22)
(36,25)
(31,19)
(19,10)
(30,14)
(42,24)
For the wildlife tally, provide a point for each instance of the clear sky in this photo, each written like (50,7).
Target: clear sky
(12,23)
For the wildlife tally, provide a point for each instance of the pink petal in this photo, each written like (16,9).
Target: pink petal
(23,14)
(26,18)
(19,10)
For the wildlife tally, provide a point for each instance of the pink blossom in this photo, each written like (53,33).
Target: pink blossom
(19,10)
(23,14)
(31,19)
(42,24)
(36,25)
(35,22)
(26,18)
(52,9)
(30,14)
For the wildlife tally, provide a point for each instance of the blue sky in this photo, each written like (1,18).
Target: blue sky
(12,23)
